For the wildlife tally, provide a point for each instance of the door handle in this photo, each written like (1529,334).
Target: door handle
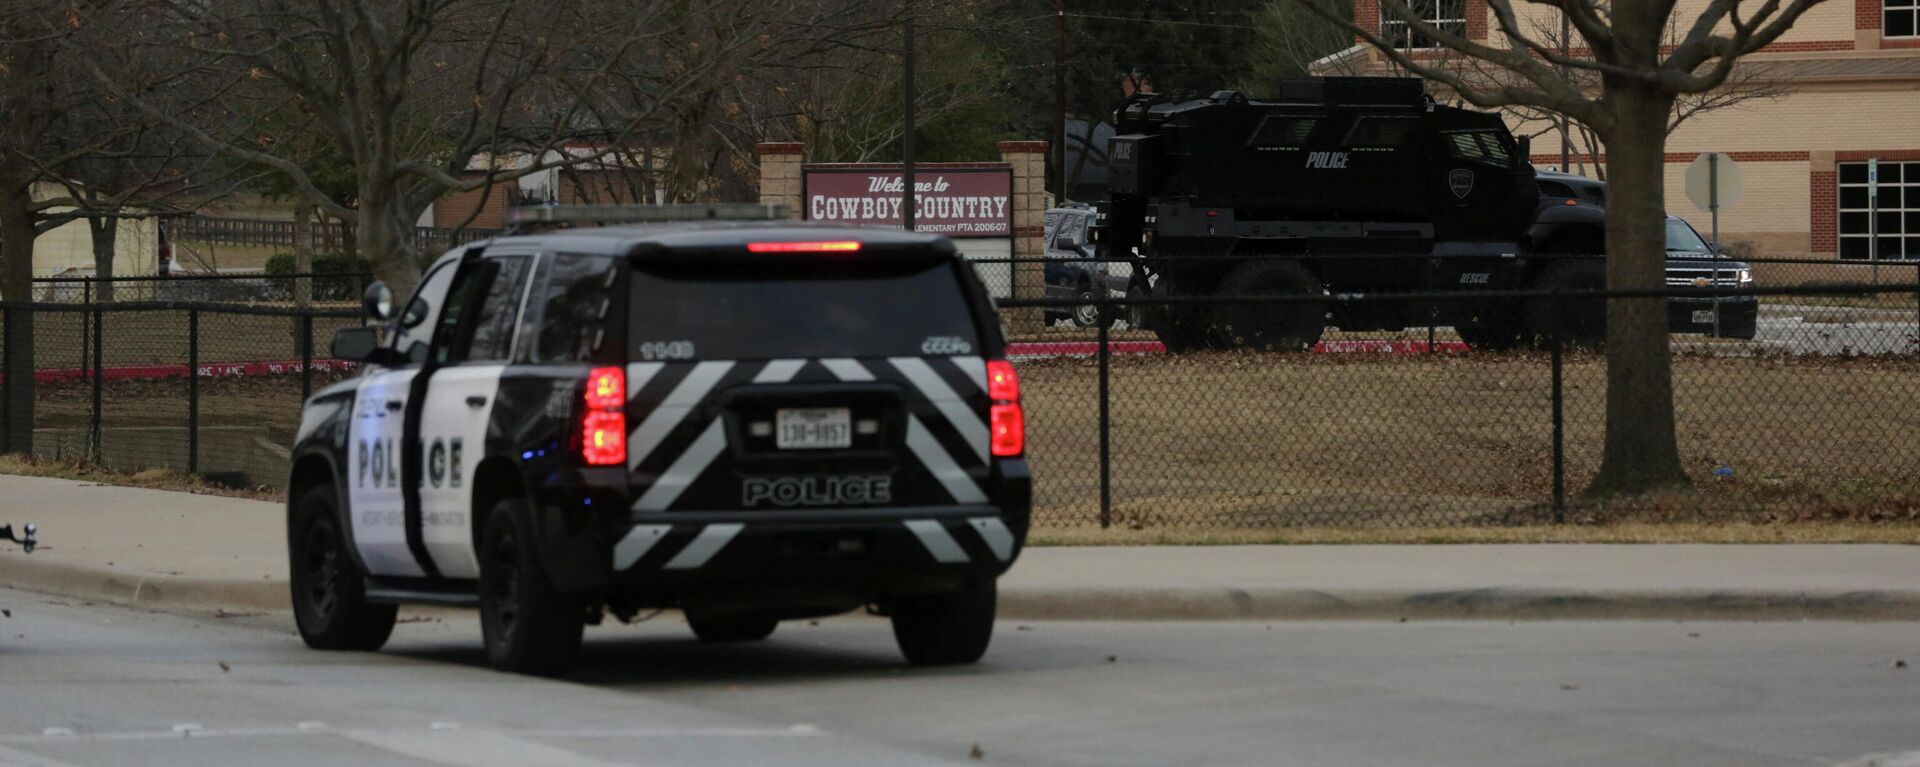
(394,405)
(476,401)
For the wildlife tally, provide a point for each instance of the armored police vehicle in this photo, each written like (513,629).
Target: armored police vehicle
(1341,185)
(749,422)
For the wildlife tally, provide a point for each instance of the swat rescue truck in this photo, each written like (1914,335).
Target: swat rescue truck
(1341,185)
(750,423)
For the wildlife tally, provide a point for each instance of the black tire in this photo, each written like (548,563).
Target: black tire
(948,629)
(329,592)
(733,628)
(1578,323)
(1180,328)
(1086,313)
(1496,326)
(527,626)
(1270,327)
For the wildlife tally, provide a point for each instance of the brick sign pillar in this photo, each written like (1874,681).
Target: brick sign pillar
(780,174)
(1029,161)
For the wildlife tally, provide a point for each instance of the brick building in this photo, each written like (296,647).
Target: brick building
(1846,89)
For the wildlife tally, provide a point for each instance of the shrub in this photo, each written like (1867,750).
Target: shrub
(345,287)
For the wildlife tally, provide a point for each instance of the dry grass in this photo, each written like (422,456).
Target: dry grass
(1228,447)
(160,338)
(1232,440)
(271,402)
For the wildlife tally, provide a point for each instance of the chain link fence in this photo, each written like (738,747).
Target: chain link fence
(208,389)
(335,289)
(1801,406)
(1414,424)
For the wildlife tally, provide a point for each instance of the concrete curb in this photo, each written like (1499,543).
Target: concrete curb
(170,593)
(1473,604)
(187,594)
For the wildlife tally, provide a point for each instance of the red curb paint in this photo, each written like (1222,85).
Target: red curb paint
(209,370)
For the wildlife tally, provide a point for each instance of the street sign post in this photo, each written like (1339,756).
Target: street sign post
(1713,181)
(1873,216)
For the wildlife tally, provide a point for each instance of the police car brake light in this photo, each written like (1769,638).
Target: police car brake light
(1003,385)
(835,246)
(1006,420)
(1009,426)
(603,429)
(606,388)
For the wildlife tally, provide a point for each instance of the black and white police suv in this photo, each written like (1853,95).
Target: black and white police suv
(748,422)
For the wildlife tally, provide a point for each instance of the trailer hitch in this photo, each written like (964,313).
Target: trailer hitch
(26,541)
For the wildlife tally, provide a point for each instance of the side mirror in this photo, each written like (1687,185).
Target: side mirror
(1526,151)
(378,302)
(361,344)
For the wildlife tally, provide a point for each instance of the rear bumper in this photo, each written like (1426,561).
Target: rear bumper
(797,563)
(790,560)
(1738,316)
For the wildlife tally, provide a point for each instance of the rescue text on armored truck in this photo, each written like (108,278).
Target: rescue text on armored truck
(747,422)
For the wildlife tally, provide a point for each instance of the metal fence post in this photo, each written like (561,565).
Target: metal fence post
(1559,422)
(96,449)
(1106,453)
(306,358)
(1432,308)
(193,391)
(86,335)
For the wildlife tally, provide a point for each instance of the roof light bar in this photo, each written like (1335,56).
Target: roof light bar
(836,246)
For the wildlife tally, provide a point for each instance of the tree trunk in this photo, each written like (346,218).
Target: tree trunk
(106,236)
(16,287)
(303,254)
(387,248)
(1641,453)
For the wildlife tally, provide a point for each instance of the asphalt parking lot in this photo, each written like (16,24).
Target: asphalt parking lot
(98,685)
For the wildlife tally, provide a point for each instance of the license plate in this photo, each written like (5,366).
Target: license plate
(813,428)
(1703,316)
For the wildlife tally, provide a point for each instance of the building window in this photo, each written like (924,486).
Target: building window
(1901,18)
(1892,222)
(1447,15)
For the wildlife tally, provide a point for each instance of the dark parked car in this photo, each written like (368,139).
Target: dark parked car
(1069,275)
(1692,262)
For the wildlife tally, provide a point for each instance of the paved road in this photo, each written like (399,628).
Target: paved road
(96,685)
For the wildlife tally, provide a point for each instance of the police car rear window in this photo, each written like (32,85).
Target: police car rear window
(814,309)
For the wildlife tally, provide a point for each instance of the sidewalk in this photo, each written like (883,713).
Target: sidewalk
(188,553)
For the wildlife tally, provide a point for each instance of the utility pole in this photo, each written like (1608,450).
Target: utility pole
(906,136)
(1566,141)
(1060,100)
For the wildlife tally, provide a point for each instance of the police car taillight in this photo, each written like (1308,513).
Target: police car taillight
(603,427)
(839,246)
(1006,421)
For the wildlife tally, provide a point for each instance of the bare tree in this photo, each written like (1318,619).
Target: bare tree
(60,132)
(1745,84)
(417,94)
(1640,80)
